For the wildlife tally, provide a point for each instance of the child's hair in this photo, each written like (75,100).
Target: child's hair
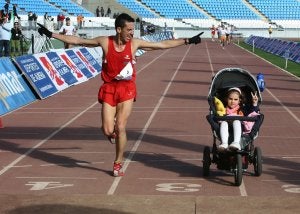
(239,91)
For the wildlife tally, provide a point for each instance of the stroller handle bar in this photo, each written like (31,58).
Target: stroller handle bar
(232,118)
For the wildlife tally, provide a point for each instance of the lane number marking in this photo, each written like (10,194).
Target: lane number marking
(291,188)
(46,185)
(178,187)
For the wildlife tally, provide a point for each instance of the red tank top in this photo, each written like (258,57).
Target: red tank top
(116,61)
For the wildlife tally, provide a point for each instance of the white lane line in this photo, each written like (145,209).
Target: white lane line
(117,180)
(22,166)
(293,75)
(73,178)
(209,59)
(12,164)
(274,97)
(281,180)
(173,179)
(70,164)
(290,157)
(283,106)
(242,187)
(148,64)
(81,152)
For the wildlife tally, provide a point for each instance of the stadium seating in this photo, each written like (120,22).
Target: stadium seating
(227,9)
(138,8)
(278,10)
(176,9)
(282,48)
(187,13)
(52,7)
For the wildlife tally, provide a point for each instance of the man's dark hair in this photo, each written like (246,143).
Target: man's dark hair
(122,19)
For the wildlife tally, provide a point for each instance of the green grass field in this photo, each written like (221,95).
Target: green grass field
(292,67)
(57,44)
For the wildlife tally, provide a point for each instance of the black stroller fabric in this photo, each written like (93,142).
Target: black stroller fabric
(221,82)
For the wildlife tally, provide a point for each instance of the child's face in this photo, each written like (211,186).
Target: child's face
(233,99)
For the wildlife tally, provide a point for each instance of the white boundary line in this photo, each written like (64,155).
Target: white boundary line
(117,180)
(293,75)
(283,106)
(16,161)
(12,164)
(274,97)
(242,187)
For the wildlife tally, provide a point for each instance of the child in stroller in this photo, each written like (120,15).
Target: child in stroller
(247,98)
(235,107)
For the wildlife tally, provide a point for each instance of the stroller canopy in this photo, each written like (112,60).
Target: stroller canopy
(233,77)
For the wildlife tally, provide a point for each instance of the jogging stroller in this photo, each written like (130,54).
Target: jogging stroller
(234,161)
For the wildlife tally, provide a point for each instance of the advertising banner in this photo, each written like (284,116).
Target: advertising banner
(89,61)
(97,53)
(14,92)
(80,77)
(51,71)
(64,71)
(79,64)
(41,79)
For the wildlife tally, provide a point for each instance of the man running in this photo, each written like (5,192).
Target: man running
(118,92)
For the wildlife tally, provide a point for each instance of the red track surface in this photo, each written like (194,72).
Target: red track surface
(54,148)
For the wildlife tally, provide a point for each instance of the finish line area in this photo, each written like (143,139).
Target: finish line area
(55,159)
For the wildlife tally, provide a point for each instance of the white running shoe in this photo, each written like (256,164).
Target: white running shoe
(223,147)
(112,138)
(235,146)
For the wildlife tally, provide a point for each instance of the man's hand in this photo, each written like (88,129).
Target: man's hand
(195,39)
(44,31)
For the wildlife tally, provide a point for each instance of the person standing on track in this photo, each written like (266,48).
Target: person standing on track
(223,36)
(213,32)
(118,91)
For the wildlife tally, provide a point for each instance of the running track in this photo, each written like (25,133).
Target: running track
(54,158)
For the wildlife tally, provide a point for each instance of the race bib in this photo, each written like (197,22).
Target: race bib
(126,73)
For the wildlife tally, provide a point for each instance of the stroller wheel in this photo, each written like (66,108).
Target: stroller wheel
(257,161)
(206,160)
(238,170)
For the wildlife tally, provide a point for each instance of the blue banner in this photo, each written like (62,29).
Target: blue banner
(64,71)
(80,65)
(36,75)
(14,92)
(89,60)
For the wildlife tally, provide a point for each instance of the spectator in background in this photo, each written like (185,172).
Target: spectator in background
(32,17)
(102,12)
(270,31)
(6,6)
(80,20)
(108,12)
(67,29)
(15,11)
(16,35)
(5,34)
(60,20)
(47,19)
(98,12)
(34,20)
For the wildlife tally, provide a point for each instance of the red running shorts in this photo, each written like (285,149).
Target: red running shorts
(116,92)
